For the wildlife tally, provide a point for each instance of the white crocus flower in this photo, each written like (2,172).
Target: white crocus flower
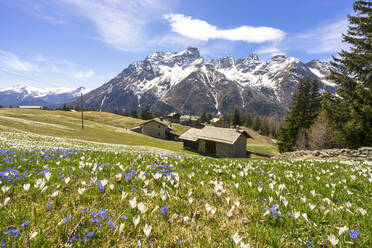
(362,211)
(121,228)
(133,202)
(147,230)
(296,215)
(242,245)
(33,235)
(141,207)
(67,180)
(230,212)
(55,194)
(311,206)
(236,238)
(136,221)
(48,175)
(81,191)
(333,239)
(341,230)
(5,188)
(6,201)
(26,187)
(104,182)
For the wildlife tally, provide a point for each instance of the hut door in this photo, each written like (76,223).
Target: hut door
(210,147)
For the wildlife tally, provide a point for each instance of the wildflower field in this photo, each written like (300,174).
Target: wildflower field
(59,192)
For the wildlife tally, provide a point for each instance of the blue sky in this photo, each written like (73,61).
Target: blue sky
(71,43)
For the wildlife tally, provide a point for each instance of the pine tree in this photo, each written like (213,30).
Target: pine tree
(134,114)
(351,113)
(236,120)
(209,117)
(303,111)
(316,99)
(248,120)
(265,127)
(256,123)
(203,118)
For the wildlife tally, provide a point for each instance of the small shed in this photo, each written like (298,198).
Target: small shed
(215,141)
(218,122)
(156,128)
(174,117)
(191,120)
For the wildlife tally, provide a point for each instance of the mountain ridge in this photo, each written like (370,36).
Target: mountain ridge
(23,94)
(188,83)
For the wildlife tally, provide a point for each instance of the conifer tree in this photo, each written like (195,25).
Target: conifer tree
(236,120)
(256,123)
(209,117)
(248,120)
(303,111)
(203,118)
(351,112)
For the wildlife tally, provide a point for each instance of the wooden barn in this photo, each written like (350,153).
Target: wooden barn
(156,128)
(215,141)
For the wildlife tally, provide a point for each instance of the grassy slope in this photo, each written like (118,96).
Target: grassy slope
(104,127)
(99,126)
(260,143)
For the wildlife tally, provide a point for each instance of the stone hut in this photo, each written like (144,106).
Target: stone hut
(215,141)
(191,120)
(156,128)
(174,117)
(217,122)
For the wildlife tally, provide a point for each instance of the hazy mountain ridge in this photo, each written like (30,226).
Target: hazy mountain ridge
(22,94)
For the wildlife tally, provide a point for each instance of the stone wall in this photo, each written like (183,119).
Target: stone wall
(363,153)
(154,129)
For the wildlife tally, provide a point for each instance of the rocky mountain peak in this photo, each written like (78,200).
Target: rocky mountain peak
(191,52)
(185,82)
(253,57)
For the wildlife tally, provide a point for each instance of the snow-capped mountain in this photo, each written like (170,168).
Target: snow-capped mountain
(187,83)
(22,94)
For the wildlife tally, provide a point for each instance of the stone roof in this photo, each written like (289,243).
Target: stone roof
(173,114)
(190,117)
(215,120)
(156,120)
(222,135)
(190,135)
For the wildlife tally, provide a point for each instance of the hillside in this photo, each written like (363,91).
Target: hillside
(99,127)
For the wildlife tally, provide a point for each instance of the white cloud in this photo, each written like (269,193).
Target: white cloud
(84,75)
(326,39)
(201,30)
(11,61)
(272,49)
(121,24)
(40,58)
